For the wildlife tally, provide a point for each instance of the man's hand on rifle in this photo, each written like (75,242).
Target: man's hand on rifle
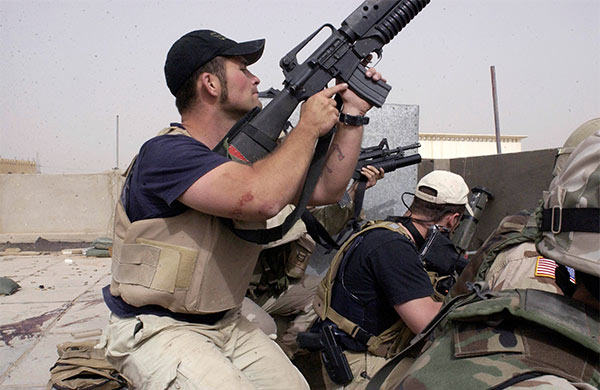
(353,104)
(372,174)
(319,112)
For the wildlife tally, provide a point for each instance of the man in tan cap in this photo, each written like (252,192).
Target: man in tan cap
(378,293)
(526,336)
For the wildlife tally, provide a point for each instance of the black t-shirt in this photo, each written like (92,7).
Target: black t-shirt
(165,168)
(382,271)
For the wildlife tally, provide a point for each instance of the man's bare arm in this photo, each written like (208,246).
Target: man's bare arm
(259,191)
(417,313)
(344,150)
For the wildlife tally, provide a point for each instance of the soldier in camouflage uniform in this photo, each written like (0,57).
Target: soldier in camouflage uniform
(528,338)
(508,259)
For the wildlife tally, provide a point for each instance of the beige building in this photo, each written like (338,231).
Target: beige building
(448,145)
(17,166)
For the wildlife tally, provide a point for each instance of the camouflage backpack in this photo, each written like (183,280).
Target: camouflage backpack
(571,211)
(528,333)
(506,337)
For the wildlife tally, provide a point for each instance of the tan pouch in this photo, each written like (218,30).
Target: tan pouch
(82,367)
(301,250)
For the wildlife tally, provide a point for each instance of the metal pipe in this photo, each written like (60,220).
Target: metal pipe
(117,165)
(496,117)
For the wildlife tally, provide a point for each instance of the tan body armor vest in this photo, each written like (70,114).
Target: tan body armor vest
(190,263)
(391,340)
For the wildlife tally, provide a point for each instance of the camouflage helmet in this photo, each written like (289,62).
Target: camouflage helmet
(578,135)
(571,215)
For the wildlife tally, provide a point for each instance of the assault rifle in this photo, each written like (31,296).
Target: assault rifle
(341,56)
(381,156)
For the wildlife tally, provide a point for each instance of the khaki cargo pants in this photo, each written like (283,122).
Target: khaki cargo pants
(157,353)
(364,366)
(296,301)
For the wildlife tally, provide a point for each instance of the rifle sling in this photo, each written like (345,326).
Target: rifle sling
(264,236)
(318,232)
(263,139)
(359,196)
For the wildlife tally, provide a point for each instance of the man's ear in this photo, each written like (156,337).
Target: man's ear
(452,220)
(210,83)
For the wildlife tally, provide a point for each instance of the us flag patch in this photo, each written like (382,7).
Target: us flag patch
(545,267)
(571,274)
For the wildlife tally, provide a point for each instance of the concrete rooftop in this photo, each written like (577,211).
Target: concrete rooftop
(58,301)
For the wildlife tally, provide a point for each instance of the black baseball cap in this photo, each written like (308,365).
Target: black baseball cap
(196,48)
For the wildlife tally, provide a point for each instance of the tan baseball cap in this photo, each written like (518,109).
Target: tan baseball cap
(449,188)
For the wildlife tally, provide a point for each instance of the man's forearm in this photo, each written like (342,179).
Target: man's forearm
(339,166)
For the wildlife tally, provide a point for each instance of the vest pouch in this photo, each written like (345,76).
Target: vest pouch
(519,345)
(391,341)
(156,265)
(556,312)
(299,257)
(174,268)
(479,339)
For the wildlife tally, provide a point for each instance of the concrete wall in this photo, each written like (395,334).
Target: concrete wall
(399,123)
(81,207)
(57,207)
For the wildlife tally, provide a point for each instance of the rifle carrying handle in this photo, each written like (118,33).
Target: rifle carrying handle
(373,92)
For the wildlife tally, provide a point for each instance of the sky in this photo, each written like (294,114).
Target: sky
(69,68)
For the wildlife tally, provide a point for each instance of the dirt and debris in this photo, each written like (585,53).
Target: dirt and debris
(43,245)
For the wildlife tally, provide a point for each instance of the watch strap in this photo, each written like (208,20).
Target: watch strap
(354,120)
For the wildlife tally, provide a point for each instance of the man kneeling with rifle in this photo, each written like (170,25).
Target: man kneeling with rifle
(379,290)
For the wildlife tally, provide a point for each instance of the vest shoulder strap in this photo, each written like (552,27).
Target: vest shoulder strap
(174,130)
(524,233)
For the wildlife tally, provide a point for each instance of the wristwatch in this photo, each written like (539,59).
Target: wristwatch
(353,120)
